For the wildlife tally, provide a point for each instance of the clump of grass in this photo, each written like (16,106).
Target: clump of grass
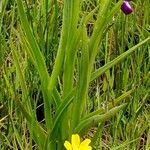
(85,69)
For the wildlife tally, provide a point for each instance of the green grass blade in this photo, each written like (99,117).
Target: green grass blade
(26,99)
(18,137)
(124,144)
(110,64)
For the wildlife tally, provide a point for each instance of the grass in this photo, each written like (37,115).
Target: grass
(71,67)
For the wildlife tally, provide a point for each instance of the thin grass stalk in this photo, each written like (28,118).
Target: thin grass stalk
(3,5)
(25,95)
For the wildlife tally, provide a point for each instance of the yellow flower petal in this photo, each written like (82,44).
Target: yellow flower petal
(75,141)
(85,145)
(86,142)
(76,145)
(67,145)
(88,148)
(85,148)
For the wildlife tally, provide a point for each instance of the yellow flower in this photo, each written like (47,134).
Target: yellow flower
(76,145)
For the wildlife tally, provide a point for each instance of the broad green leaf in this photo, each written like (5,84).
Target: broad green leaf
(60,111)
(115,102)
(84,124)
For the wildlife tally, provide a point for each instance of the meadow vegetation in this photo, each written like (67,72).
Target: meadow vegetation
(74,67)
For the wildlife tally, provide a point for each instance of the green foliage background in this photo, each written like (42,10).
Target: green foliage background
(74,66)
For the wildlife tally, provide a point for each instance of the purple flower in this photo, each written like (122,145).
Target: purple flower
(126,8)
